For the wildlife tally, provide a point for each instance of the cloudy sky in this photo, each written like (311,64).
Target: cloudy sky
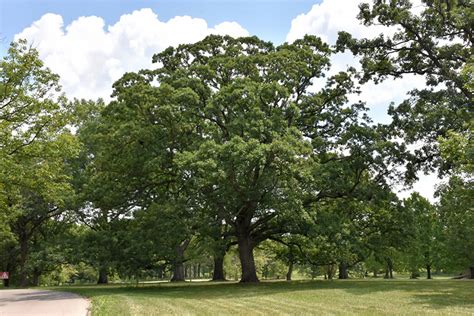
(90,44)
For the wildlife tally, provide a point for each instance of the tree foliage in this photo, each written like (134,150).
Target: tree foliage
(35,146)
(435,43)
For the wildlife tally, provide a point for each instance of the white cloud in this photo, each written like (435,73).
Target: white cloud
(231,28)
(329,17)
(89,56)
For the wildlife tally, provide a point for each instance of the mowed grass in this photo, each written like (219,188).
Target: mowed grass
(338,297)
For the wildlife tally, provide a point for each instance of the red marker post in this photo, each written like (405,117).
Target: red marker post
(5,276)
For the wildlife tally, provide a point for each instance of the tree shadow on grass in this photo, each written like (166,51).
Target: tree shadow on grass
(445,300)
(435,294)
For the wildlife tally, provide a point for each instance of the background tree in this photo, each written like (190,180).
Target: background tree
(436,44)
(35,146)
(425,245)
(129,171)
(456,198)
(457,215)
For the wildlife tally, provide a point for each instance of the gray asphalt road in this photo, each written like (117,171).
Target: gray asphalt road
(28,302)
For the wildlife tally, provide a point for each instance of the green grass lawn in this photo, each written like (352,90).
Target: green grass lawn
(344,297)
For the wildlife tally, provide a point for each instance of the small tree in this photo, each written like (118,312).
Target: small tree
(425,244)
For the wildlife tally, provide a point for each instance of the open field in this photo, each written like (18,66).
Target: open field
(367,297)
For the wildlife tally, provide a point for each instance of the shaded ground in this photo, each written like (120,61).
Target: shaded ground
(27,302)
(368,297)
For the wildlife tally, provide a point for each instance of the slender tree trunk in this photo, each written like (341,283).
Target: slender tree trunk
(330,272)
(428,271)
(218,272)
(389,271)
(36,276)
(24,249)
(375,273)
(103,275)
(343,273)
(160,272)
(290,271)
(199,271)
(249,273)
(472,272)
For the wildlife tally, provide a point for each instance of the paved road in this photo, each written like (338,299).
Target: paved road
(28,302)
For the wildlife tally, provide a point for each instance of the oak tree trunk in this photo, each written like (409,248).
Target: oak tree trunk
(249,273)
(35,278)
(472,272)
(103,275)
(290,271)
(389,271)
(218,273)
(23,257)
(178,272)
(178,264)
(343,273)
(428,271)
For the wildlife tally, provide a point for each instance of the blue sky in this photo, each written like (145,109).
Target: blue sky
(268,19)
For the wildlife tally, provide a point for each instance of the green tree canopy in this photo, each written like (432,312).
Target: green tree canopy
(35,146)
(436,44)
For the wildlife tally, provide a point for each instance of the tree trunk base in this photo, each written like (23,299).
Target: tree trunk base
(343,272)
(218,272)
(247,262)
(103,276)
(290,271)
(251,281)
(178,272)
